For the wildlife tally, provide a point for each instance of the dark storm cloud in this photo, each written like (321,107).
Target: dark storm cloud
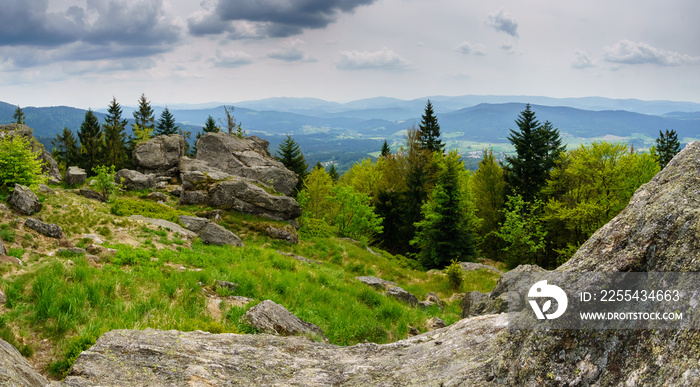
(103,29)
(271,18)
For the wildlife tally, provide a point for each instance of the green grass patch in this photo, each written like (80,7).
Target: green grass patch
(128,207)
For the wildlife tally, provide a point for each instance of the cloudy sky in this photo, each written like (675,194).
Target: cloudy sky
(83,52)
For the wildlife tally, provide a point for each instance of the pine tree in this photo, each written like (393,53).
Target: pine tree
(537,147)
(143,116)
(333,173)
(488,188)
(90,136)
(444,233)
(430,130)
(65,149)
(18,116)
(166,124)
(319,166)
(386,151)
(290,155)
(210,126)
(667,146)
(115,146)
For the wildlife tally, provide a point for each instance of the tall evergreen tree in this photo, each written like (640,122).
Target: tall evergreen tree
(143,116)
(65,149)
(488,188)
(333,173)
(115,141)
(386,151)
(90,136)
(445,232)
(290,155)
(430,130)
(166,124)
(18,116)
(537,147)
(667,146)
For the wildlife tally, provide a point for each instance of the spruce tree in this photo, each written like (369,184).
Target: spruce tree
(290,155)
(166,124)
(667,146)
(444,233)
(210,126)
(90,136)
(333,173)
(143,116)
(537,147)
(386,151)
(115,144)
(430,130)
(65,149)
(18,116)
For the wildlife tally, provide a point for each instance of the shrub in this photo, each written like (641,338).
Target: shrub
(454,274)
(18,164)
(104,180)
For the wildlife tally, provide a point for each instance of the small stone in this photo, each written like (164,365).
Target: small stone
(46,229)
(226,285)
(435,323)
(3,298)
(412,331)
(90,194)
(273,318)
(402,295)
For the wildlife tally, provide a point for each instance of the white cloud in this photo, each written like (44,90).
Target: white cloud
(582,61)
(503,21)
(232,59)
(474,49)
(627,52)
(385,59)
(292,51)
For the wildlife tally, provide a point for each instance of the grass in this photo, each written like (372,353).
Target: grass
(72,304)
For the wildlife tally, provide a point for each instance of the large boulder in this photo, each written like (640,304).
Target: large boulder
(275,319)
(159,155)
(247,158)
(210,232)
(134,180)
(25,201)
(49,166)
(75,176)
(15,370)
(452,356)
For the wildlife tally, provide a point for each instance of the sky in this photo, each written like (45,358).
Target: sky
(84,52)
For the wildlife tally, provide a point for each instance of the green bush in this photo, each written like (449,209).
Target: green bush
(18,164)
(104,180)
(454,274)
(128,207)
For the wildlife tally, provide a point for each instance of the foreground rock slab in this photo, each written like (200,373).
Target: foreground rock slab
(15,370)
(457,355)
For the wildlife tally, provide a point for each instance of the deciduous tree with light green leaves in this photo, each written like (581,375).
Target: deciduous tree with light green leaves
(18,164)
(523,232)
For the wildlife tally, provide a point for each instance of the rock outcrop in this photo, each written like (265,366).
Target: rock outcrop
(24,201)
(204,184)
(450,356)
(375,282)
(159,155)
(245,157)
(15,370)
(270,317)
(134,180)
(210,232)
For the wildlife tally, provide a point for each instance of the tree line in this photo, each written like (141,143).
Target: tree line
(108,144)
(535,207)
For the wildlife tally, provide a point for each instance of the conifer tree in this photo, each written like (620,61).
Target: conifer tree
(537,147)
(65,149)
(210,126)
(333,173)
(290,155)
(90,136)
(488,188)
(115,141)
(386,151)
(430,130)
(319,166)
(667,146)
(444,234)
(143,116)
(18,116)
(166,124)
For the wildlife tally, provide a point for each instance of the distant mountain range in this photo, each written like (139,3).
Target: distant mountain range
(331,130)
